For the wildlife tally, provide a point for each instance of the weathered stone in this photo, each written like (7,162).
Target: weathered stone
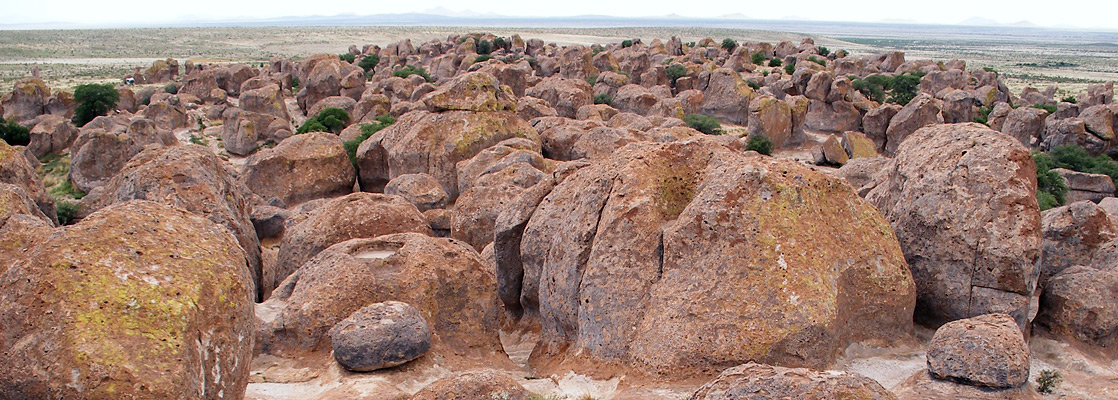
(27,100)
(480,384)
(876,123)
(857,145)
(988,350)
(918,113)
(726,96)
(97,154)
(833,151)
(1077,306)
(302,167)
(1072,235)
(1085,186)
(51,134)
(16,170)
(923,386)
(473,91)
(565,95)
(381,335)
(772,118)
(760,381)
(837,117)
(422,190)
(1025,124)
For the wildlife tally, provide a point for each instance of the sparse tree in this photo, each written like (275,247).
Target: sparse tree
(93,100)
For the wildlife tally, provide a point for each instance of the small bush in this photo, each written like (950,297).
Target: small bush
(500,43)
(817,60)
(66,210)
(823,51)
(775,62)
(690,44)
(1046,107)
(347,57)
(1075,158)
(729,44)
(760,144)
(329,120)
(754,85)
(94,100)
(483,46)
(367,130)
(199,140)
(983,115)
(765,72)
(14,134)
(1047,381)
(369,62)
(171,88)
(757,58)
(482,58)
(988,69)
(295,83)
(790,68)
(592,79)
(626,43)
(1069,99)
(676,71)
(1050,186)
(410,70)
(703,123)
(603,99)
(904,87)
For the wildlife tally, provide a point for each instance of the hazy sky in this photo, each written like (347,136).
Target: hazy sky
(1080,13)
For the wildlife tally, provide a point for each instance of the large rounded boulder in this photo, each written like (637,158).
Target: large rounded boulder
(190,177)
(962,200)
(687,258)
(302,167)
(987,350)
(357,215)
(99,153)
(16,170)
(139,300)
(381,335)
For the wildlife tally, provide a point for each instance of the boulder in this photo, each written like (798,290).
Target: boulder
(988,350)
(265,100)
(16,170)
(1071,131)
(328,76)
(920,112)
(139,300)
(477,384)
(760,381)
(97,154)
(358,215)
(819,86)
(381,335)
(27,100)
(833,152)
(772,118)
(632,260)
(958,106)
(1072,234)
(923,386)
(433,143)
(168,115)
(302,167)
(529,108)
(564,95)
(962,200)
(935,81)
(488,183)
(443,278)
(837,117)
(1025,124)
(202,84)
(20,230)
(243,132)
(875,123)
(51,134)
(340,102)
(422,190)
(472,91)
(515,76)
(1086,186)
(863,174)
(1099,120)
(635,99)
(857,145)
(726,96)
(1077,306)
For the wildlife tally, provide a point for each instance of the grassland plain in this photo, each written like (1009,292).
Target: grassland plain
(65,58)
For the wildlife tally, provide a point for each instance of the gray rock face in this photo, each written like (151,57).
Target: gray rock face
(961,199)
(381,335)
(987,350)
(760,381)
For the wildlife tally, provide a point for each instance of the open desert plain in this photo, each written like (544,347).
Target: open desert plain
(540,208)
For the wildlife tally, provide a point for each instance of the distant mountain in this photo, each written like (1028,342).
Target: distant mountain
(979,21)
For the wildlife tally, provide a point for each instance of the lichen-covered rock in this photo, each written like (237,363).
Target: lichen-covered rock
(1024,124)
(472,91)
(759,381)
(27,100)
(357,215)
(245,131)
(962,200)
(419,189)
(381,335)
(19,233)
(433,143)
(15,170)
(923,386)
(265,100)
(139,300)
(323,76)
(478,384)
(988,350)
(921,111)
(564,95)
(190,177)
(51,134)
(443,278)
(634,260)
(98,154)
(1077,305)
(302,167)
(726,96)
(1085,186)
(1072,234)
(857,145)
(837,117)
(772,118)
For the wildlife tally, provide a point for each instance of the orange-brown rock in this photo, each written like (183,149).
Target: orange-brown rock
(760,381)
(302,167)
(15,170)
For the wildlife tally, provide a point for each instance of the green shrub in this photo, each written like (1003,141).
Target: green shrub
(1051,189)
(1075,158)
(367,130)
(1046,107)
(14,134)
(775,62)
(295,83)
(817,60)
(760,144)
(369,62)
(823,51)
(983,115)
(483,46)
(94,100)
(790,68)
(500,43)
(626,43)
(347,57)
(757,58)
(66,210)
(988,69)
(1047,381)
(729,44)
(171,88)
(703,123)
(676,71)
(592,79)
(1069,99)
(410,70)
(765,72)
(199,140)
(754,85)
(904,87)
(329,120)
(690,44)
(603,99)
(482,58)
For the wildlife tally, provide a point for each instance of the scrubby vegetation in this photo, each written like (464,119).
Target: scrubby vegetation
(1050,189)
(1050,186)
(482,58)
(1069,99)
(790,68)
(367,130)
(823,51)
(14,134)
(703,123)
(626,43)
(729,44)
(775,62)
(1047,381)
(329,120)
(410,70)
(757,58)
(676,71)
(603,99)
(1046,107)
(817,60)
(369,62)
(760,144)
(483,46)
(171,88)
(94,100)
(347,57)
(899,89)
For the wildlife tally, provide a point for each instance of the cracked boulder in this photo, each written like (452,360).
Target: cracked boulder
(962,200)
(684,258)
